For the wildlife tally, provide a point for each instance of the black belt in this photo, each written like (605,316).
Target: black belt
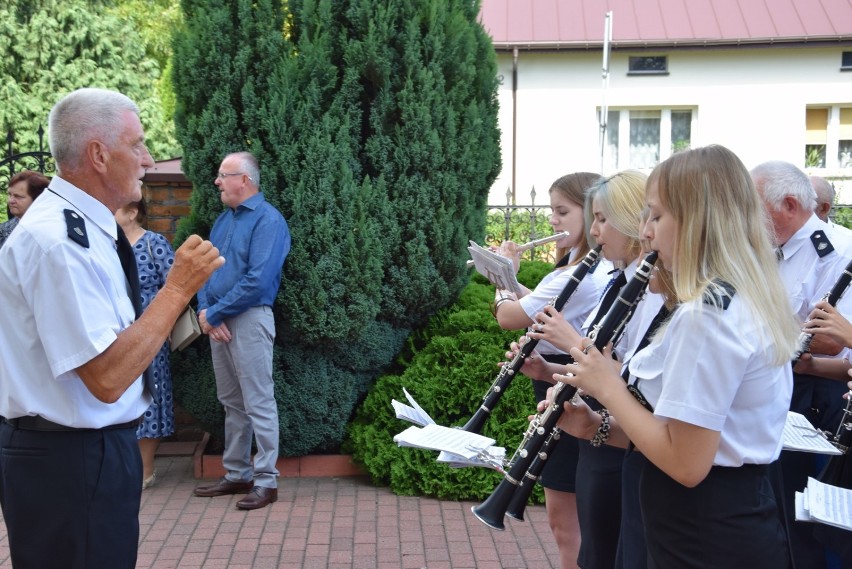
(36,423)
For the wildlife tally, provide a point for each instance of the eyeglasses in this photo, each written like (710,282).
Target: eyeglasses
(223,175)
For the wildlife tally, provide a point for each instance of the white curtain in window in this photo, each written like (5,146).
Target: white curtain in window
(681,130)
(844,153)
(611,148)
(644,139)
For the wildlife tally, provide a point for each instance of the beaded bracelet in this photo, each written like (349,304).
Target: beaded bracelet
(602,434)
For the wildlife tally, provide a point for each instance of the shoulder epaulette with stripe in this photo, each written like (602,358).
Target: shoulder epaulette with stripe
(76,226)
(821,243)
(719,294)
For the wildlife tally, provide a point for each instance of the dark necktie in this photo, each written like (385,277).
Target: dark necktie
(609,297)
(646,339)
(128,264)
(649,333)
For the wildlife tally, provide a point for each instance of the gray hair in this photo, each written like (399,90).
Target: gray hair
(82,116)
(778,179)
(823,188)
(249,165)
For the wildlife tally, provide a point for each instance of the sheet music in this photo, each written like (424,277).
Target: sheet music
(491,457)
(800,435)
(436,437)
(496,268)
(414,413)
(825,503)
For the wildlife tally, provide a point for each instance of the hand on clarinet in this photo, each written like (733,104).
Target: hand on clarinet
(824,319)
(534,365)
(592,372)
(577,419)
(550,326)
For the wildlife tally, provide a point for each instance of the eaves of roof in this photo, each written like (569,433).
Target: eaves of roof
(696,43)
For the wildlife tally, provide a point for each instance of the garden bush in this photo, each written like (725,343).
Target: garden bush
(447,367)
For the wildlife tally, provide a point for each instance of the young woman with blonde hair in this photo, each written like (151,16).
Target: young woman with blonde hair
(567,201)
(717,375)
(615,206)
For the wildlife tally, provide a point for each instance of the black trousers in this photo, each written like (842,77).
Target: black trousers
(71,499)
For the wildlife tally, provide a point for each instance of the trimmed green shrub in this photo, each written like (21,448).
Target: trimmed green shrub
(448,367)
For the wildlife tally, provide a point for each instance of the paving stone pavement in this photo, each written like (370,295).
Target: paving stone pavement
(319,523)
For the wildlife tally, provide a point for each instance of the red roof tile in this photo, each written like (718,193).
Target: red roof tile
(580,23)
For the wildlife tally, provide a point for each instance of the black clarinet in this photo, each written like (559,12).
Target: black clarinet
(830,297)
(543,427)
(510,369)
(838,470)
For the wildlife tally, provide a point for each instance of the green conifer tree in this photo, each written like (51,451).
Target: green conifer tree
(52,47)
(379,123)
(224,54)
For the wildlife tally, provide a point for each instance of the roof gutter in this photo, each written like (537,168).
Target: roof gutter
(804,41)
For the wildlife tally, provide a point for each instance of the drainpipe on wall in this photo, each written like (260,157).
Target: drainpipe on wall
(514,120)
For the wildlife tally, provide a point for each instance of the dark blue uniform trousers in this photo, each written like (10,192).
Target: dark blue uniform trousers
(70,499)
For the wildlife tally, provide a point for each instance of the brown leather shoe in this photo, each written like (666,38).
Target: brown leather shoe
(223,488)
(259,497)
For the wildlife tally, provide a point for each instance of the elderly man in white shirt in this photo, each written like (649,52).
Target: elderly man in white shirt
(75,348)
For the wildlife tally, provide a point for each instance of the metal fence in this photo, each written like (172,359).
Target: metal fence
(12,163)
(521,224)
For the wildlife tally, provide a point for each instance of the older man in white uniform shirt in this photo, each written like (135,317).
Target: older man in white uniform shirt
(74,351)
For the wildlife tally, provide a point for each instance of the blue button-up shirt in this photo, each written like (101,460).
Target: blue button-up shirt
(254,239)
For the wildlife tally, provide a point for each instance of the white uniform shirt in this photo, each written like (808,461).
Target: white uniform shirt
(710,369)
(629,273)
(807,276)
(639,323)
(577,308)
(63,304)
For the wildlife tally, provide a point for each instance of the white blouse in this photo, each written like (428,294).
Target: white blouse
(577,308)
(710,368)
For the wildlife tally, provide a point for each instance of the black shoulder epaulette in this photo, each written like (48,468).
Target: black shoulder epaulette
(719,294)
(76,227)
(821,243)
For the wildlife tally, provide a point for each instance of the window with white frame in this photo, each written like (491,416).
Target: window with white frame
(641,138)
(828,137)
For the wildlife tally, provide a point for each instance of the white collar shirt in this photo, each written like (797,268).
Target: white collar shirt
(577,308)
(806,275)
(64,304)
(709,368)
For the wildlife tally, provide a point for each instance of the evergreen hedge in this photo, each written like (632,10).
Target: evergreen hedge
(447,367)
(375,124)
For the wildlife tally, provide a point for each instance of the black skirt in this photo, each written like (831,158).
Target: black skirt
(599,504)
(730,519)
(560,471)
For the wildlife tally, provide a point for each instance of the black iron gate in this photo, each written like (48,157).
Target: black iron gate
(39,160)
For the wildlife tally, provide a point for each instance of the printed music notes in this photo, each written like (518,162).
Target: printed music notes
(413,414)
(800,435)
(496,268)
(458,448)
(823,503)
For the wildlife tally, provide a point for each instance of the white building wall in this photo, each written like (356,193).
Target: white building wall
(750,100)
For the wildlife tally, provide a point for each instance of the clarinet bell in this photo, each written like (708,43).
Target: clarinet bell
(492,511)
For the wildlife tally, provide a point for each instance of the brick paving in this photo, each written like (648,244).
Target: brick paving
(319,523)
